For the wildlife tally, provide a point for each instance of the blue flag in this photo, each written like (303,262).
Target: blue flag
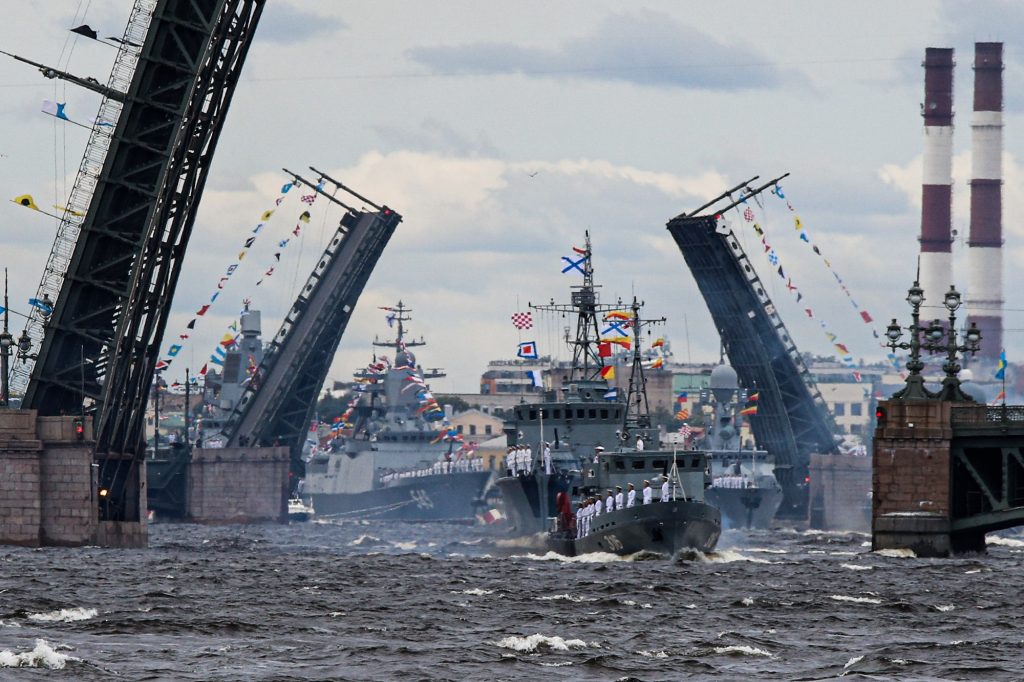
(36,303)
(1001,368)
(611,394)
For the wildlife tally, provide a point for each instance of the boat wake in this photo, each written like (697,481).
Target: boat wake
(43,655)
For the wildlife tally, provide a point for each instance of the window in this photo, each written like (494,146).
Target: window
(580,413)
(856,409)
(487,429)
(472,429)
(839,409)
(639,464)
(604,414)
(620,465)
(460,428)
(592,413)
(533,414)
(558,414)
(658,464)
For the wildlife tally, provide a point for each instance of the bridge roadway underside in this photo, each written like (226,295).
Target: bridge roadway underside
(945,475)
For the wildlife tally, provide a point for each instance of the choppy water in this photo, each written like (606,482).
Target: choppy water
(381,602)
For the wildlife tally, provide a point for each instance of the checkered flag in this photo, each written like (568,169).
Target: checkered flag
(748,215)
(522,320)
(309,198)
(684,431)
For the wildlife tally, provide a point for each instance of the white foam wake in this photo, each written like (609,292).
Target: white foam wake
(565,597)
(901,553)
(476,591)
(857,567)
(1004,542)
(727,556)
(742,650)
(855,600)
(537,641)
(64,615)
(43,655)
(363,540)
(591,558)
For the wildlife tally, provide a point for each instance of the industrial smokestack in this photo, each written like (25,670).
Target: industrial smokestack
(936,192)
(985,256)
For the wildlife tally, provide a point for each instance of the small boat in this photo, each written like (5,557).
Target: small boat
(300,510)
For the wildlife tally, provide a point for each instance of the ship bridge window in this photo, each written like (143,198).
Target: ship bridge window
(558,414)
(592,414)
(580,413)
(620,465)
(604,414)
(695,463)
(617,413)
(533,414)
(519,414)
(639,464)
(658,464)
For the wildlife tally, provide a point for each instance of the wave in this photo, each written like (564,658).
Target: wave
(652,654)
(742,650)
(591,558)
(364,540)
(944,607)
(42,656)
(720,556)
(766,550)
(565,597)
(855,600)
(476,591)
(901,553)
(857,567)
(853,661)
(535,540)
(1004,542)
(64,615)
(534,642)
(406,546)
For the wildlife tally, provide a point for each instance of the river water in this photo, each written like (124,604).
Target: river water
(364,601)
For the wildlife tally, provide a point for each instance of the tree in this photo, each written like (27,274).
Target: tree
(457,403)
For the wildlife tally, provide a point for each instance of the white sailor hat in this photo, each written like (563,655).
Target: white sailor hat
(598,447)
(631,485)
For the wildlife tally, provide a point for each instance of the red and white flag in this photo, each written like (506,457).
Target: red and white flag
(522,320)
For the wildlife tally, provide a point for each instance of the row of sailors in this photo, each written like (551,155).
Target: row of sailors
(730,482)
(519,460)
(457,466)
(593,507)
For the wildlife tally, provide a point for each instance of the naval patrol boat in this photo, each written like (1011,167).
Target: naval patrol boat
(596,443)
(743,483)
(397,459)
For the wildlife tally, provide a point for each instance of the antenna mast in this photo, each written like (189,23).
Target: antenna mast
(638,413)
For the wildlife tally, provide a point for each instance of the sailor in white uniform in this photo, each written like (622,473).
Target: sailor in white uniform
(620,502)
(598,505)
(664,489)
(547,458)
(647,492)
(609,502)
(631,497)
(528,456)
(639,444)
(579,521)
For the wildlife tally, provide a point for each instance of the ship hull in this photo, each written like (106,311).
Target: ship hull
(661,527)
(441,497)
(745,507)
(530,500)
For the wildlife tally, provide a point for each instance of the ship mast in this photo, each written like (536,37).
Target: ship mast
(586,361)
(638,413)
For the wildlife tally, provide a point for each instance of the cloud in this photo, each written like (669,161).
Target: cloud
(433,135)
(643,48)
(285,24)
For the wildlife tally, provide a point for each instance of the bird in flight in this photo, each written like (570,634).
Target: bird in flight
(533,174)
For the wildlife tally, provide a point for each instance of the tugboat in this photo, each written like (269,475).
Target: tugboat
(299,510)
(743,483)
(597,444)
(394,457)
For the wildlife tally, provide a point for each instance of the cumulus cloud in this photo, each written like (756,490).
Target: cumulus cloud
(643,48)
(286,24)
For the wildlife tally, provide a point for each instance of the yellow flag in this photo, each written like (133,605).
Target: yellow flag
(608,372)
(304,217)
(266,215)
(241,254)
(77,214)
(796,221)
(26,200)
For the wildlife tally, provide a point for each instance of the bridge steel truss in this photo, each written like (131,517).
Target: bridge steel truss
(279,401)
(792,420)
(987,467)
(102,340)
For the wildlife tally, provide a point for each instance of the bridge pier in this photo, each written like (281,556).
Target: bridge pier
(48,486)
(911,486)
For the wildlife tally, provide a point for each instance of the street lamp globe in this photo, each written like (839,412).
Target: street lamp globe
(6,340)
(973,335)
(915,295)
(893,331)
(935,331)
(952,299)
(24,343)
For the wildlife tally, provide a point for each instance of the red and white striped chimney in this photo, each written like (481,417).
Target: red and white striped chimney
(985,255)
(937,192)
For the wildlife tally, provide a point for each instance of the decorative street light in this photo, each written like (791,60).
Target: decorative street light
(914,390)
(6,341)
(941,338)
(936,339)
(24,346)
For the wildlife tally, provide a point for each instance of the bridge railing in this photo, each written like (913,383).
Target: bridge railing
(995,416)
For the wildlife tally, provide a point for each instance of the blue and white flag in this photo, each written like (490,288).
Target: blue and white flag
(612,394)
(36,303)
(528,349)
(218,356)
(535,377)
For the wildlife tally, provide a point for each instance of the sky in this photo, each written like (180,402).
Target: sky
(503,132)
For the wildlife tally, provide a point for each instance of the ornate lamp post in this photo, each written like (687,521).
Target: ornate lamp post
(941,338)
(6,341)
(914,390)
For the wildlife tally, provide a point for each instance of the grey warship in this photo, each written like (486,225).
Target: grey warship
(743,483)
(584,440)
(397,459)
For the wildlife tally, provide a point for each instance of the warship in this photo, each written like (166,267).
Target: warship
(584,440)
(394,455)
(743,483)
